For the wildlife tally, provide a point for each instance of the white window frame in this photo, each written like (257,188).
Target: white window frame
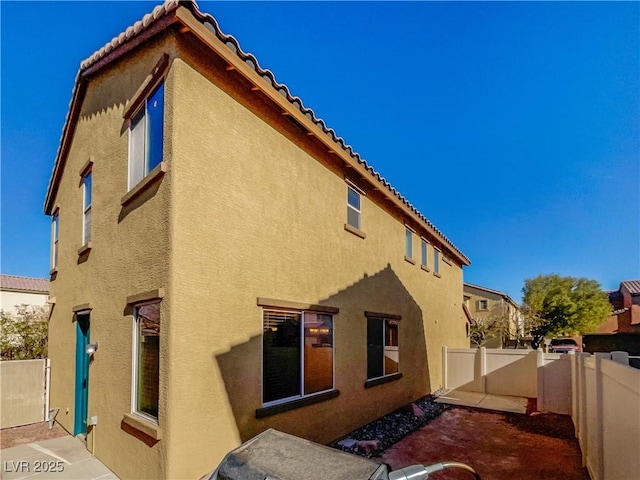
(424,253)
(86,209)
(301,332)
(134,363)
(146,137)
(408,242)
(351,188)
(483,305)
(55,233)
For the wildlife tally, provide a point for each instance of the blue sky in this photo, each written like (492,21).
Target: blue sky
(514,127)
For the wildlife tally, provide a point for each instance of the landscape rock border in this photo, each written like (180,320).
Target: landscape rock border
(372,439)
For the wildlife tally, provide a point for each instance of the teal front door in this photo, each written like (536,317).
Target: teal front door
(82,374)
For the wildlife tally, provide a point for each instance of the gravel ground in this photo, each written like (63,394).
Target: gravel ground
(372,439)
(10,437)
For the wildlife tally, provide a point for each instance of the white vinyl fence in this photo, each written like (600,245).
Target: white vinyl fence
(519,373)
(601,393)
(24,392)
(606,414)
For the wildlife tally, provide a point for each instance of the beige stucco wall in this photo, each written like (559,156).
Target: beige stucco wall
(258,216)
(249,207)
(129,255)
(9,300)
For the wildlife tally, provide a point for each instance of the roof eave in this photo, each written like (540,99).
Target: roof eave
(189,15)
(99,60)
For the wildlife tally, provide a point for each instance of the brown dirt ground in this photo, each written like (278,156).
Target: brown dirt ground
(498,445)
(10,437)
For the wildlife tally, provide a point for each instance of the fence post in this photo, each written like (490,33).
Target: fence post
(620,357)
(47,387)
(540,379)
(574,392)
(445,368)
(599,451)
(583,438)
(483,368)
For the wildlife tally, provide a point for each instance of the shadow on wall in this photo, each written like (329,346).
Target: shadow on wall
(356,404)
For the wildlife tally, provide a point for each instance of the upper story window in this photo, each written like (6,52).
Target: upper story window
(353,208)
(86,208)
(436,261)
(423,253)
(297,354)
(55,231)
(146,134)
(408,243)
(483,305)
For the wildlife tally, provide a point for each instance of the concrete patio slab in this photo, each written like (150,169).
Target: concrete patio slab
(62,458)
(502,403)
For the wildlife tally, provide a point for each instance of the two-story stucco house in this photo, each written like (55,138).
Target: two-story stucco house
(238,265)
(486,303)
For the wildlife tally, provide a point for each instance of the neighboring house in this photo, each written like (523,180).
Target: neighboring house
(485,303)
(16,290)
(237,264)
(625,309)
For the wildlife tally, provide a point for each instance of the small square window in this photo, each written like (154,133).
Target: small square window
(353,208)
(146,133)
(483,305)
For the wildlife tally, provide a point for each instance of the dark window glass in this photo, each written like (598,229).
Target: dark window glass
(281,355)
(155,127)
(375,350)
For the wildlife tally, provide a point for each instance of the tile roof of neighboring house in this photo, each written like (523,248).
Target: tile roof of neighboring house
(141,27)
(495,292)
(632,285)
(24,284)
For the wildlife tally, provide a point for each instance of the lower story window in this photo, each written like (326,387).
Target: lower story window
(383,351)
(297,354)
(146,370)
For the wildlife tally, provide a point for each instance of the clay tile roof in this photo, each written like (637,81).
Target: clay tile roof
(633,286)
(27,284)
(269,78)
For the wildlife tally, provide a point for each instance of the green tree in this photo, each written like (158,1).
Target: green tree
(554,305)
(23,334)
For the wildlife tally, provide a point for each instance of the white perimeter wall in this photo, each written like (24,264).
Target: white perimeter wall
(23,393)
(9,300)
